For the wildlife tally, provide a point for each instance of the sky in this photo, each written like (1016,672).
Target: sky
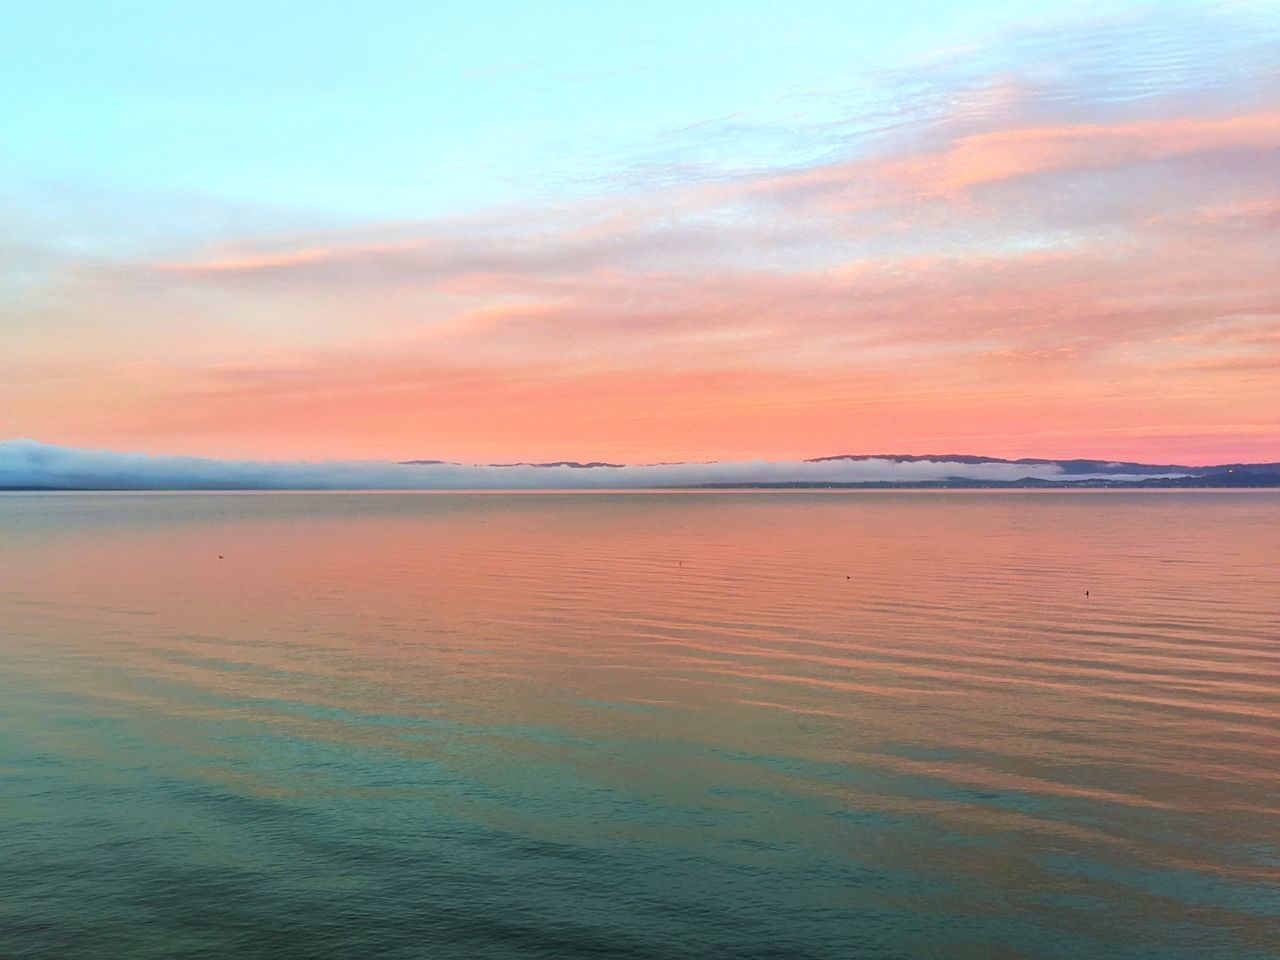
(642,232)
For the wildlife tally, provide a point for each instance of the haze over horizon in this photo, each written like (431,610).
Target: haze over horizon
(29,465)
(523,231)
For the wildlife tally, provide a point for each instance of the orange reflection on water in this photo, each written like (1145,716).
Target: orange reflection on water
(903,638)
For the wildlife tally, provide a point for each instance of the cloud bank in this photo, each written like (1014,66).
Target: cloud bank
(28,464)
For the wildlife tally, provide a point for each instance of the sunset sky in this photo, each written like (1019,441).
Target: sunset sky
(642,231)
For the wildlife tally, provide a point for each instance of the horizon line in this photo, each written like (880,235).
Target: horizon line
(576,463)
(30,465)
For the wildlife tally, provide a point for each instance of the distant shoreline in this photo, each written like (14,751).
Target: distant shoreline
(30,466)
(1194,484)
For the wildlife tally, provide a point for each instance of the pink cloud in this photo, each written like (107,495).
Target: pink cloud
(1009,154)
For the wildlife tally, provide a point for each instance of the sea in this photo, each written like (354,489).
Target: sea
(891,725)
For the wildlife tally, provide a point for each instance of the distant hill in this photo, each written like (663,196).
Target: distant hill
(1069,467)
(28,465)
(1074,472)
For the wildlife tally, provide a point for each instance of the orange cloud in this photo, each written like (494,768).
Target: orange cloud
(1002,155)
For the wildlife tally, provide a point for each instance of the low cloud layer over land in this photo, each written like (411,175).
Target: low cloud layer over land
(32,465)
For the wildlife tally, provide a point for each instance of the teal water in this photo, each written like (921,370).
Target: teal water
(758,725)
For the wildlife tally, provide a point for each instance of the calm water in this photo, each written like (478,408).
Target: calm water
(855,725)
